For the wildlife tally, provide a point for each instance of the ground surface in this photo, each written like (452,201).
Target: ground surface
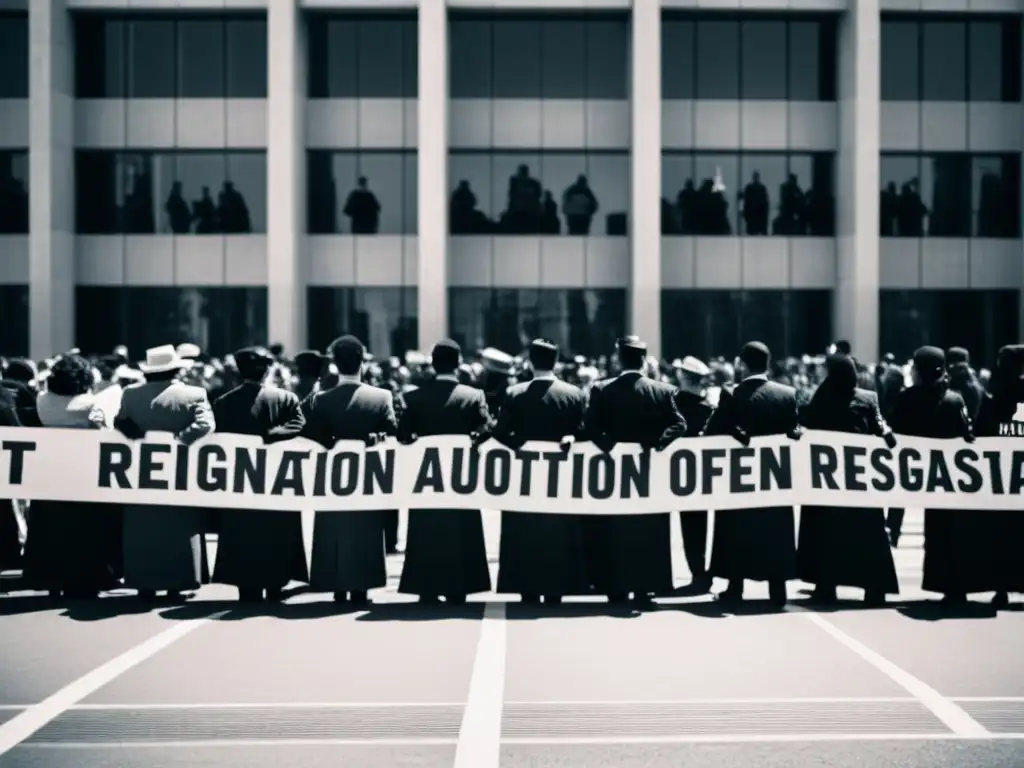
(498,684)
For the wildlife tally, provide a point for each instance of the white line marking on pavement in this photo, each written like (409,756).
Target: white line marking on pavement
(272,705)
(239,743)
(21,726)
(479,744)
(992,699)
(955,718)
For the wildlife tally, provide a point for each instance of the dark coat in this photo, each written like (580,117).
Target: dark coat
(757,543)
(631,553)
(845,546)
(348,547)
(445,552)
(693,525)
(958,544)
(259,549)
(541,554)
(24,401)
(10,543)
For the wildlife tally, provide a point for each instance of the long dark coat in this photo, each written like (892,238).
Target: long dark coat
(445,552)
(259,548)
(958,544)
(757,543)
(348,547)
(541,554)
(631,553)
(10,543)
(845,546)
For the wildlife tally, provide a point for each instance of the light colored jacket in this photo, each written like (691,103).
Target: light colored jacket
(169,406)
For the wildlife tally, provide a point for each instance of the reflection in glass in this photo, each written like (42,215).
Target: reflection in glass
(763,183)
(995,196)
(678,192)
(151,59)
(362,193)
(764,69)
(580,321)
(200,59)
(219,320)
(191,202)
(548,193)
(362,56)
(718,60)
(714,323)
(384,319)
(900,63)
(944,61)
(981,321)
(718,188)
(14,328)
(946,190)
(13,193)
(678,59)
(246,76)
(901,210)
(14,56)
(242,201)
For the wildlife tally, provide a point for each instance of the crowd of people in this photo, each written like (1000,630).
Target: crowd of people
(77,550)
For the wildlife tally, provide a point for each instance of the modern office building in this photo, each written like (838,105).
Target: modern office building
(698,172)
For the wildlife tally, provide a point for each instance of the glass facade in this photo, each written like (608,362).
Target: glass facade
(13,193)
(13,55)
(363,192)
(362,56)
(384,318)
(14,324)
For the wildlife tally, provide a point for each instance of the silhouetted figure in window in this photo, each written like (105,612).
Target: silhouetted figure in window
(232,210)
(712,209)
(686,202)
(888,210)
(911,211)
(204,212)
(139,205)
(550,223)
(755,206)
(523,215)
(13,206)
(579,206)
(991,221)
(792,209)
(179,217)
(464,218)
(363,209)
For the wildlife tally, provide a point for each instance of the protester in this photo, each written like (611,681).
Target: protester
(259,551)
(845,546)
(445,554)
(164,548)
(759,543)
(10,534)
(348,548)
(541,554)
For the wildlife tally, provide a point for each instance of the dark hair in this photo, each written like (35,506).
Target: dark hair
(163,375)
(70,376)
(756,357)
(543,357)
(348,353)
(445,357)
(631,358)
(842,374)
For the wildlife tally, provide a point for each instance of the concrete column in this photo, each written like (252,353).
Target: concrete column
(432,153)
(645,172)
(51,274)
(286,175)
(856,299)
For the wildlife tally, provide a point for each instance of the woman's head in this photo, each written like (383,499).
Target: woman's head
(71,375)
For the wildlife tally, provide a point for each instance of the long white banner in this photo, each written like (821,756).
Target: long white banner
(233,471)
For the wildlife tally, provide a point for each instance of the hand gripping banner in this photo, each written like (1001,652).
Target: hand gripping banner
(240,472)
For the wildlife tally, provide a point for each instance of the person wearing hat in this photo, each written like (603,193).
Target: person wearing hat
(164,546)
(845,546)
(957,557)
(541,554)
(348,557)
(497,372)
(309,369)
(631,553)
(259,551)
(757,543)
(691,399)
(445,553)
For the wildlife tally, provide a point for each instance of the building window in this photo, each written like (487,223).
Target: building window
(581,321)
(525,56)
(538,193)
(219,320)
(13,56)
(732,56)
(714,323)
(950,194)
(362,192)
(747,193)
(363,56)
(384,319)
(13,193)
(981,321)
(173,192)
(951,58)
(153,56)
(14,328)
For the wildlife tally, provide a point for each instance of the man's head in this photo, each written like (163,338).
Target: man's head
(929,366)
(253,363)
(632,353)
(310,364)
(446,357)
(543,355)
(692,374)
(754,359)
(348,354)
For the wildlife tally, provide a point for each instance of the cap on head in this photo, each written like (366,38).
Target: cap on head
(253,362)
(310,363)
(543,354)
(446,355)
(632,342)
(756,356)
(496,361)
(348,354)
(957,356)
(930,362)
(692,366)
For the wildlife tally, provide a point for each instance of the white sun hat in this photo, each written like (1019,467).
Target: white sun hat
(165,358)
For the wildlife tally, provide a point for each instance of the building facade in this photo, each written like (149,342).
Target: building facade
(698,172)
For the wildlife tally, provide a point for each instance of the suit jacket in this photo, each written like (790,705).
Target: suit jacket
(168,406)
(541,409)
(443,407)
(695,411)
(24,401)
(859,415)
(349,411)
(265,411)
(758,407)
(8,409)
(632,408)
